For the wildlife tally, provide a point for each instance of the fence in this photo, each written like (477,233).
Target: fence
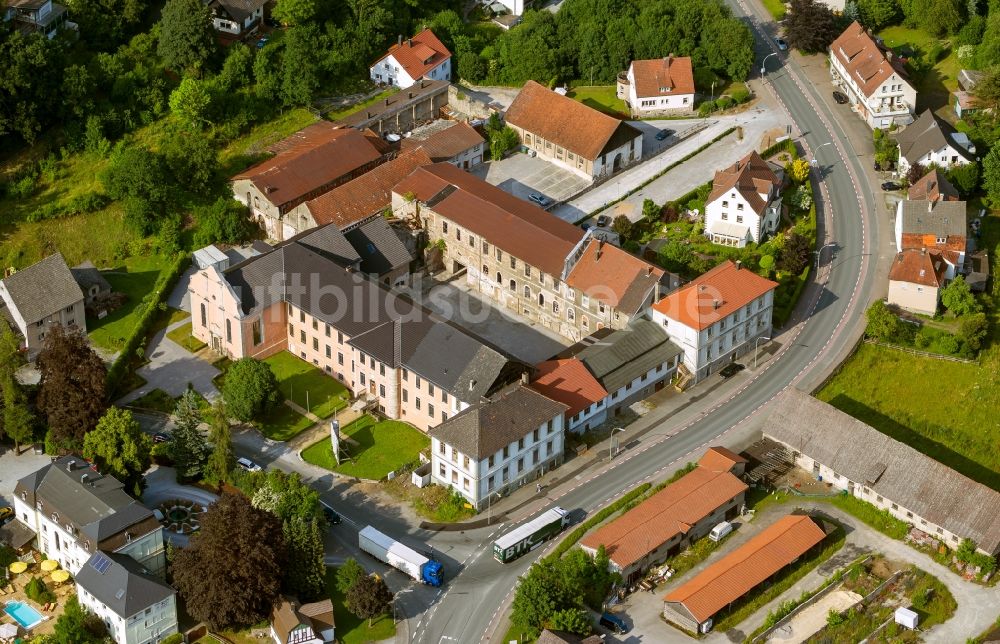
(918,352)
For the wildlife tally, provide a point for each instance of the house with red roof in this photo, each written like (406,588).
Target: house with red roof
(422,56)
(717,317)
(745,203)
(657,85)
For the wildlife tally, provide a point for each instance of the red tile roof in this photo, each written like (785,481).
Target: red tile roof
(673,510)
(751,176)
(720,459)
(730,287)
(614,276)
(863,59)
(308,160)
(366,195)
(514,225)
(447,143)
(420,54)
(932,187)
(568,381)
(663,77)
(563,121)
(919,266)
(744,569)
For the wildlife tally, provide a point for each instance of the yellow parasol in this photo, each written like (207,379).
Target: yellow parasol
(18,567)
(59,576)
(49,565)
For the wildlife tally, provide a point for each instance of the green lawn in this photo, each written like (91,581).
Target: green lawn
(157,400)
(296,377)
(283,423)
(182,336)
(600,97)
(246,150)
(382,447)
(351,629)
(934,89)
(336,115)
(776,8)
(163,321)
(135,277)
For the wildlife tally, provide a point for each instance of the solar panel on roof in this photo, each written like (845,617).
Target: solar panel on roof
(100,563)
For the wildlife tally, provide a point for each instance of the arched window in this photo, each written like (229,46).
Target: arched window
(499,278)
(541,299)
(204,316)
(513,286)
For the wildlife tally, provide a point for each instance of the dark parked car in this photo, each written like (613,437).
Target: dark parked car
(840,98)
(731,370)
(891,186)
(160,437)
(541,200)
(614,623)
(603,221)
(331,516)
(663,134)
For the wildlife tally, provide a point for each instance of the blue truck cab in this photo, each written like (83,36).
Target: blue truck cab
(432,573)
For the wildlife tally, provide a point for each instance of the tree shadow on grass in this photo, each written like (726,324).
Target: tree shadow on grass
(900,432)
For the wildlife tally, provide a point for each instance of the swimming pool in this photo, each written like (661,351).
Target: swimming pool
(23,614)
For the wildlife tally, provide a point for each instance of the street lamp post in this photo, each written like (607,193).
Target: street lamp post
(819,253)
(763,70)
(611,444)
(756,349)
(816,152)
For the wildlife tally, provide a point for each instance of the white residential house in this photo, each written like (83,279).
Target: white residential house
(74,511)
(498,445)
(516,7)
(717,317)
(745,203)
(135,606)
(237,18)
(928,140)
(40,296)
(419,57)
(657,85)
(43,16)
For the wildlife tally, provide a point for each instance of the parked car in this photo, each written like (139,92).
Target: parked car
(614,623)
(6,514)
(263,41)
(539,199)
(160,437)
(731,370)
(720,531)
(782,45)
(663,134)
(248,465)
(331,515)
(603,221)
(586,225)
(840,98)
(891,186)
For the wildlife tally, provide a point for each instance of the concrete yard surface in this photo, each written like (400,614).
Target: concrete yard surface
(813,618)
(522,175)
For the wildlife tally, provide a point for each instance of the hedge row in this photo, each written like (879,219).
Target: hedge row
(787,145)
(146,312)
(582,529)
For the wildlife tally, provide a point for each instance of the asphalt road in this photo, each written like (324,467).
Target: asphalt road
(470,610)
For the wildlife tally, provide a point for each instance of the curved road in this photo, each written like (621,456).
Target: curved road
(470,607)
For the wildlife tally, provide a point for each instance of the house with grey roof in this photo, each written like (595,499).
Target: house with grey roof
(236,17)
(498,444)
(934,226)
(295,623)
(40,296)
(929,140)
(91,282)
(867,464)
(383,254)
(135,606)
(632,363)
(74,511)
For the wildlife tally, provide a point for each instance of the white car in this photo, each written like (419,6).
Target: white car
(248,465)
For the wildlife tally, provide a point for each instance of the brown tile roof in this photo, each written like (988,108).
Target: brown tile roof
(932,187)
(695,304)
(371,193)
(516,226)
(420,54)
(563,121)
(720,459)
(751,176)
(443,144)
(668,76)
(487,427)
(744,569)
(308,160)
(863,59)
(614,276)
(321,613)
(569,382)
(673,510)
(922,223)
(919,266)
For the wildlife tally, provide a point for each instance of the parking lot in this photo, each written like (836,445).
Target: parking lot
(521,176)
(13,468)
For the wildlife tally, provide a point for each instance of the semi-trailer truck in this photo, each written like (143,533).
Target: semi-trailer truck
(530,535)
(400,556)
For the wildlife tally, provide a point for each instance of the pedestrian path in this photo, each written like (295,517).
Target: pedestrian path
(320,428)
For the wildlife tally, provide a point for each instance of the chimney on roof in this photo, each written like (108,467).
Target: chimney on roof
(649,270)
(670,58)
(83,477)
(923,251)
(472,385)
(524,377)
(369,115)
(716,304)
(70,465)
(739,264)
(411,95)
(386,101)
(409,42)
(399,40)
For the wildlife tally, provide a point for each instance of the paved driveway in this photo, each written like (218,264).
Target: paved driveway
(521,175)
(171,368)
(13,468)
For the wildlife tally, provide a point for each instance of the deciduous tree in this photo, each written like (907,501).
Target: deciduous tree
(571,620)
(283,494)
(991,175)
(189,102)
(231,573)
(77,626)
(882,323)
(294,12)
(72,394)
(799,170)
(810,26)
(186,37)
(347,574)
(119,447)
(878,14)
(795,253)
(226,221)
(957,297)
(368,598)
(623,226)
(250,389)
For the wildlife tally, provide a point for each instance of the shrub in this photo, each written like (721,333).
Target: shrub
(706,108)
(37,591)
(741,96)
